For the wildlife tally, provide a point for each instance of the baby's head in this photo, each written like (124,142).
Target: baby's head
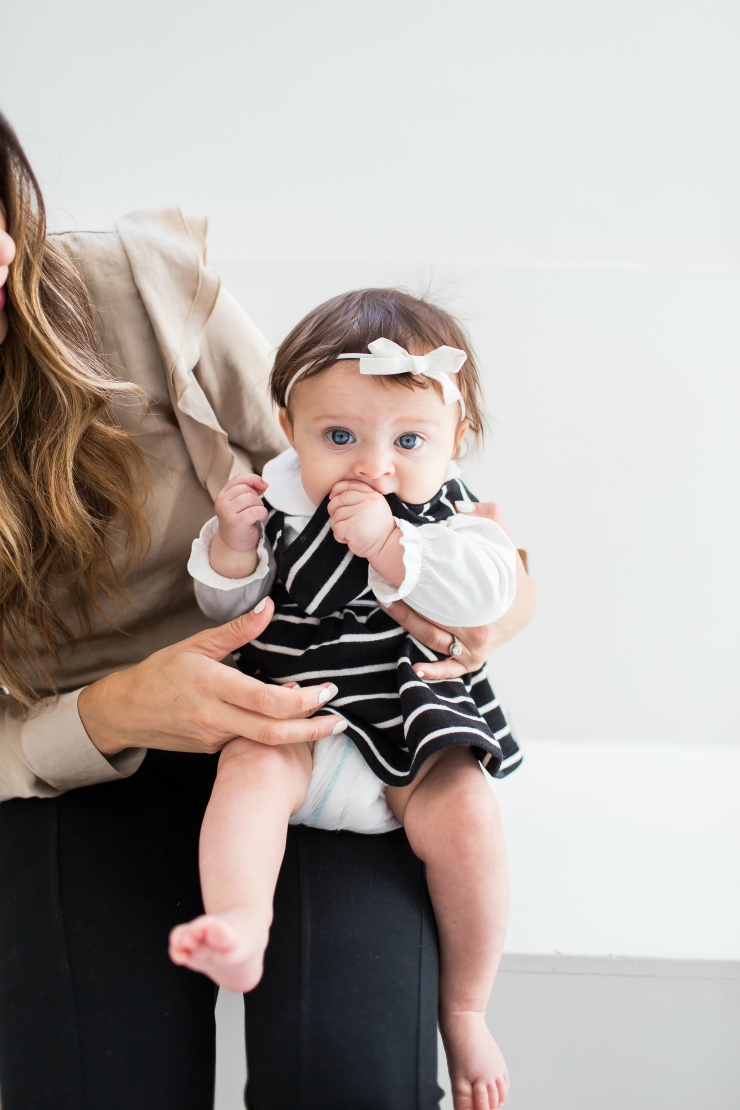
(396,433)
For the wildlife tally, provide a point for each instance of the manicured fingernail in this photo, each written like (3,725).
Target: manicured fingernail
(260,607)
(465,506)
(327,693)
(340,726)
(420,674)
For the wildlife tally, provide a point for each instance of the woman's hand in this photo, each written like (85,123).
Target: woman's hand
(184,699)
(477,643)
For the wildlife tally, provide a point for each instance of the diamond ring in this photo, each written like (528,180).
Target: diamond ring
(455,647)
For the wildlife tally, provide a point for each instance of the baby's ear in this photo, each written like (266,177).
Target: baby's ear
(462,430)
(287,425)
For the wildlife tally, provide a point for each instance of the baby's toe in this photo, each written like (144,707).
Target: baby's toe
(181,946)
(181,940)
(218,934)
(462,1095)
(481,1099)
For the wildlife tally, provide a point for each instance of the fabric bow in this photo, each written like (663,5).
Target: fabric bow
(390,358)
(387,357)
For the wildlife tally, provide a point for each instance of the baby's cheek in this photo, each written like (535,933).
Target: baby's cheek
(420,478)
(319,475)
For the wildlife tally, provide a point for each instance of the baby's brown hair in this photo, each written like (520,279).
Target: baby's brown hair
(347,323)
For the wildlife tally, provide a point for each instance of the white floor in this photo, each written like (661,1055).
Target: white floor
(620,985)
(598,1034)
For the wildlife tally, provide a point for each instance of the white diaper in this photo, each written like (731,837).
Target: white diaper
(344,793)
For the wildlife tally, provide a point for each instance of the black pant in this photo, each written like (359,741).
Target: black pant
(94,1016)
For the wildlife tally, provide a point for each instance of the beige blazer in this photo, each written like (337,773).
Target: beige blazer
(167,325)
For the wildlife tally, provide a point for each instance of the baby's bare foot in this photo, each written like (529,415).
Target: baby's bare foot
(478,1073)
(228,947)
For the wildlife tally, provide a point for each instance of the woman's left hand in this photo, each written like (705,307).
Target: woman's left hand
(477,643)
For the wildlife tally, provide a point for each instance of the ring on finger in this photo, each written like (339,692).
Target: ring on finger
(455,648)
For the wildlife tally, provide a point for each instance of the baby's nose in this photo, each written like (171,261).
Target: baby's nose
(374,465)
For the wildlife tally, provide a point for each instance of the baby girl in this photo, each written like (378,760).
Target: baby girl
(376,391)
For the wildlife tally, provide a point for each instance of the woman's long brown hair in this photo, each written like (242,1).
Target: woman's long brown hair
(67,468)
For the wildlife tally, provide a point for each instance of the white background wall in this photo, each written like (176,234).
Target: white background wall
(564,174)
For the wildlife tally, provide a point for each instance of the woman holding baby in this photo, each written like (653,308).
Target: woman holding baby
(131,393)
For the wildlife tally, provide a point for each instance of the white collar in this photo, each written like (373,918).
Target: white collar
(285,490)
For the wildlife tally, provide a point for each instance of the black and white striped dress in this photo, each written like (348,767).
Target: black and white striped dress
(328,626)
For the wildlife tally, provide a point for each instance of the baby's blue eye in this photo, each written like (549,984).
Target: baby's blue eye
(340,436)
(409,441)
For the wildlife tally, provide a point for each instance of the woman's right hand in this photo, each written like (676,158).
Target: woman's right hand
(183,698)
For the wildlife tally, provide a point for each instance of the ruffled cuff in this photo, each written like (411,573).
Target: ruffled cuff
(411,543)
(199,565)
(461,571)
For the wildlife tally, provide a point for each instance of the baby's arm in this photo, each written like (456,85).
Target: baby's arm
(460,572)
(240,511)
(223,596)
(363,520)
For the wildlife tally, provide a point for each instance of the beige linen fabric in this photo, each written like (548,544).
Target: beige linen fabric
(167,326)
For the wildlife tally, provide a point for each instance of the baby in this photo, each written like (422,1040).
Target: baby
(361,511)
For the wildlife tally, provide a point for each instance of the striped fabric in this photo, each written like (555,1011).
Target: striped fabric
(329,626)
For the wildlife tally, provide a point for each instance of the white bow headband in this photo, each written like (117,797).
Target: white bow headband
(386,357)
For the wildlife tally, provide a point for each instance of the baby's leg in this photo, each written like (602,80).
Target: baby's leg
(452,822)
(242,842)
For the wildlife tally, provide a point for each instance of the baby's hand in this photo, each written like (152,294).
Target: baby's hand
(360,517)
(240,510)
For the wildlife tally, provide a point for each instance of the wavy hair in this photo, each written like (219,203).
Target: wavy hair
(68,468)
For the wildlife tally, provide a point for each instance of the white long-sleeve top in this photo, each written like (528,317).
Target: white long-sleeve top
(461,571)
